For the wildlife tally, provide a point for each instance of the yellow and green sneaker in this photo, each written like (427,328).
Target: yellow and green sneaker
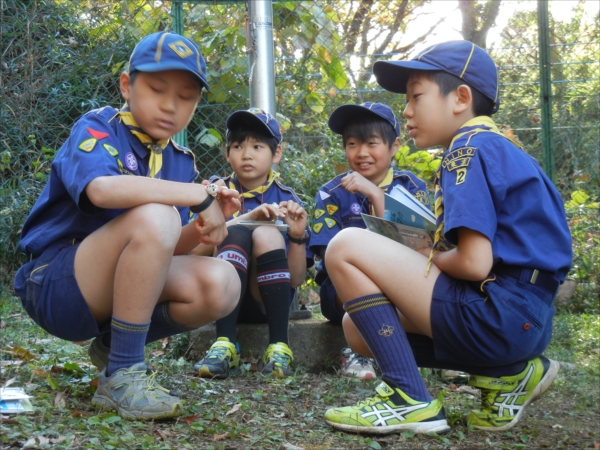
(503,399)
(276,360)
(390,411)
(221,360)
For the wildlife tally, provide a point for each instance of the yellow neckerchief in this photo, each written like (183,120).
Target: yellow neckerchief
(154,147)
(384,185)
(480,124)
(259,190)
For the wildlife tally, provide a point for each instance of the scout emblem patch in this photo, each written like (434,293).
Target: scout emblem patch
(317,227)
(330,222)
(131,161)
(181,49)
(319,213)
(110,149)
(88,145)
(331,209)
(422,197)
(355,208)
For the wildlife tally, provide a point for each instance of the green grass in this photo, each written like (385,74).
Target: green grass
(271,414)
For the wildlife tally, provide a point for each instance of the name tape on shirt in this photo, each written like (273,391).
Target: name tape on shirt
(458,158)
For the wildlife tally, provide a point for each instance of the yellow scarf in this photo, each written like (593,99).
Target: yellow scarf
(384,185)
(259,190)
(154,147)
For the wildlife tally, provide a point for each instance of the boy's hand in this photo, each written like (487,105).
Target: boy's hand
(228,199)
(266,211)
(295,217)
(210,225)
(355,183)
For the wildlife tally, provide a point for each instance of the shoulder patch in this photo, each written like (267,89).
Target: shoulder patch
(331,209)
(97,134)
(110,149)
(330,222)
(324,195)
(319,213)
(317,227)
(88,145)
(457,158)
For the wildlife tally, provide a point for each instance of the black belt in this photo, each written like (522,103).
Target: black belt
(539,278)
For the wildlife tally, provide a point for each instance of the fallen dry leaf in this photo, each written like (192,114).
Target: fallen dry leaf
(21,353)
(76,414)
(292,446)
(164,434)
(235,409)
(469,390)
(57,369)
(220,437)
(164,342)
(60,400)
(190,419)
(94,383)
(158,353)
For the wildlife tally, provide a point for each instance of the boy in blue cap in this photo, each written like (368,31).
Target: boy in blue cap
(106,241)
(371,137)
(269,265)
(482,306)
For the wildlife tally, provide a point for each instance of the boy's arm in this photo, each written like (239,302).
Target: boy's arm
(356,183)
(296,218)
(471,259)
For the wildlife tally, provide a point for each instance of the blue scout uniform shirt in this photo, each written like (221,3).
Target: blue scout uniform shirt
(336,208)
(99,145)
(492,186)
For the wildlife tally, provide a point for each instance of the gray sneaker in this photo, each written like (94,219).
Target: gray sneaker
(98,353)
(136,395)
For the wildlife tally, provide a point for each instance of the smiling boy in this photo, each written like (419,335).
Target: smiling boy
(105,241)
(370,135)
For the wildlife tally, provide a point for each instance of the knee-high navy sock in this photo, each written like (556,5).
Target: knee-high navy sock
(162,325)
(424,352)
(377,320)
(273,276)
(127,344)
(236,248)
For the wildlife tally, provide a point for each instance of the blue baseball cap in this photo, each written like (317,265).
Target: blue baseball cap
(168,51)
(254,117)
(340,117)
(462,59)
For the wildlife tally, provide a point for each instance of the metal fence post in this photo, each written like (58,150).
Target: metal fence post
(180,138)
(545,87)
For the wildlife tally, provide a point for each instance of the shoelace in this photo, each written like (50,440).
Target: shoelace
(149,380)
(279,357)
(219,352)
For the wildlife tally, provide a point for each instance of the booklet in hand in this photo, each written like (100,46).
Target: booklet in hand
(406,220)
(252,224)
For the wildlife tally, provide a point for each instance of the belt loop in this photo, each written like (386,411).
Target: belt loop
(534,276)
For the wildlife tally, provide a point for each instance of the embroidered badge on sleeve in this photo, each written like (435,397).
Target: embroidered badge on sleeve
(330,222)
(331,209)
(319,213)
(88,145)
(458,160)
(317,227)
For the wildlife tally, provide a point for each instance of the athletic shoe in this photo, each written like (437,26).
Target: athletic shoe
(136,395)
(276,360)
(504,399)
(390,411)
(98,353)
(221,360)
(355,366)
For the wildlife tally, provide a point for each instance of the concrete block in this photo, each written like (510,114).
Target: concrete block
(316,343)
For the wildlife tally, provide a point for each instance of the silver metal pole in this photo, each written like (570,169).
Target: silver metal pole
(260,49)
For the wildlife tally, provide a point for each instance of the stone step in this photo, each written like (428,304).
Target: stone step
(316,343)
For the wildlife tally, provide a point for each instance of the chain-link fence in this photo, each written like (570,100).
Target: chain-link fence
(62,58)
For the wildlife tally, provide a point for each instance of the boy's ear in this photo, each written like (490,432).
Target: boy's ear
(125,85)
(395,146)
(277,155)
(464,98)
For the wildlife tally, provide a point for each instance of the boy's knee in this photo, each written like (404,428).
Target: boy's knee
(267,238)
(224,289)
(156,223)
(341,242)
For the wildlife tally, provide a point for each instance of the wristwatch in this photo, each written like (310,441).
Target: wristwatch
(202,206)
(301,241)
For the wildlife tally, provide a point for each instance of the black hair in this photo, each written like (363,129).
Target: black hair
(250,130)
(365,126)
(482,105)
(133,75)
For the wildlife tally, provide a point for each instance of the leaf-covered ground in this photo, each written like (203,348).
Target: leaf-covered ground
(252,411)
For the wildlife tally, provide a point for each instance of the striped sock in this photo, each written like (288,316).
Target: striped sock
(377,320)
(162,324)
(273,276)
(127,344)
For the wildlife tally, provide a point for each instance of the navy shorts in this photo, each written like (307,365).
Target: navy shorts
(252,311)
(496,322)
(328,305)
(51,296)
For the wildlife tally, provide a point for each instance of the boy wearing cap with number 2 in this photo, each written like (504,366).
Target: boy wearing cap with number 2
(370,136)
(482,306)
(107,252)
(270,265)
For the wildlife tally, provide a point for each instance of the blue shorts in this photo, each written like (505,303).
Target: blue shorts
(329,307)
(51,296)
(496,322)
(252,311)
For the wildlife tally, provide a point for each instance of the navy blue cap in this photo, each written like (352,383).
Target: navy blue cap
(255,116)
(462,59)
(340,117)
(168,51)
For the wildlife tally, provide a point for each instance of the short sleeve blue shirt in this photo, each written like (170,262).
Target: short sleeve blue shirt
(492,186)
(336,208)
(99,145)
